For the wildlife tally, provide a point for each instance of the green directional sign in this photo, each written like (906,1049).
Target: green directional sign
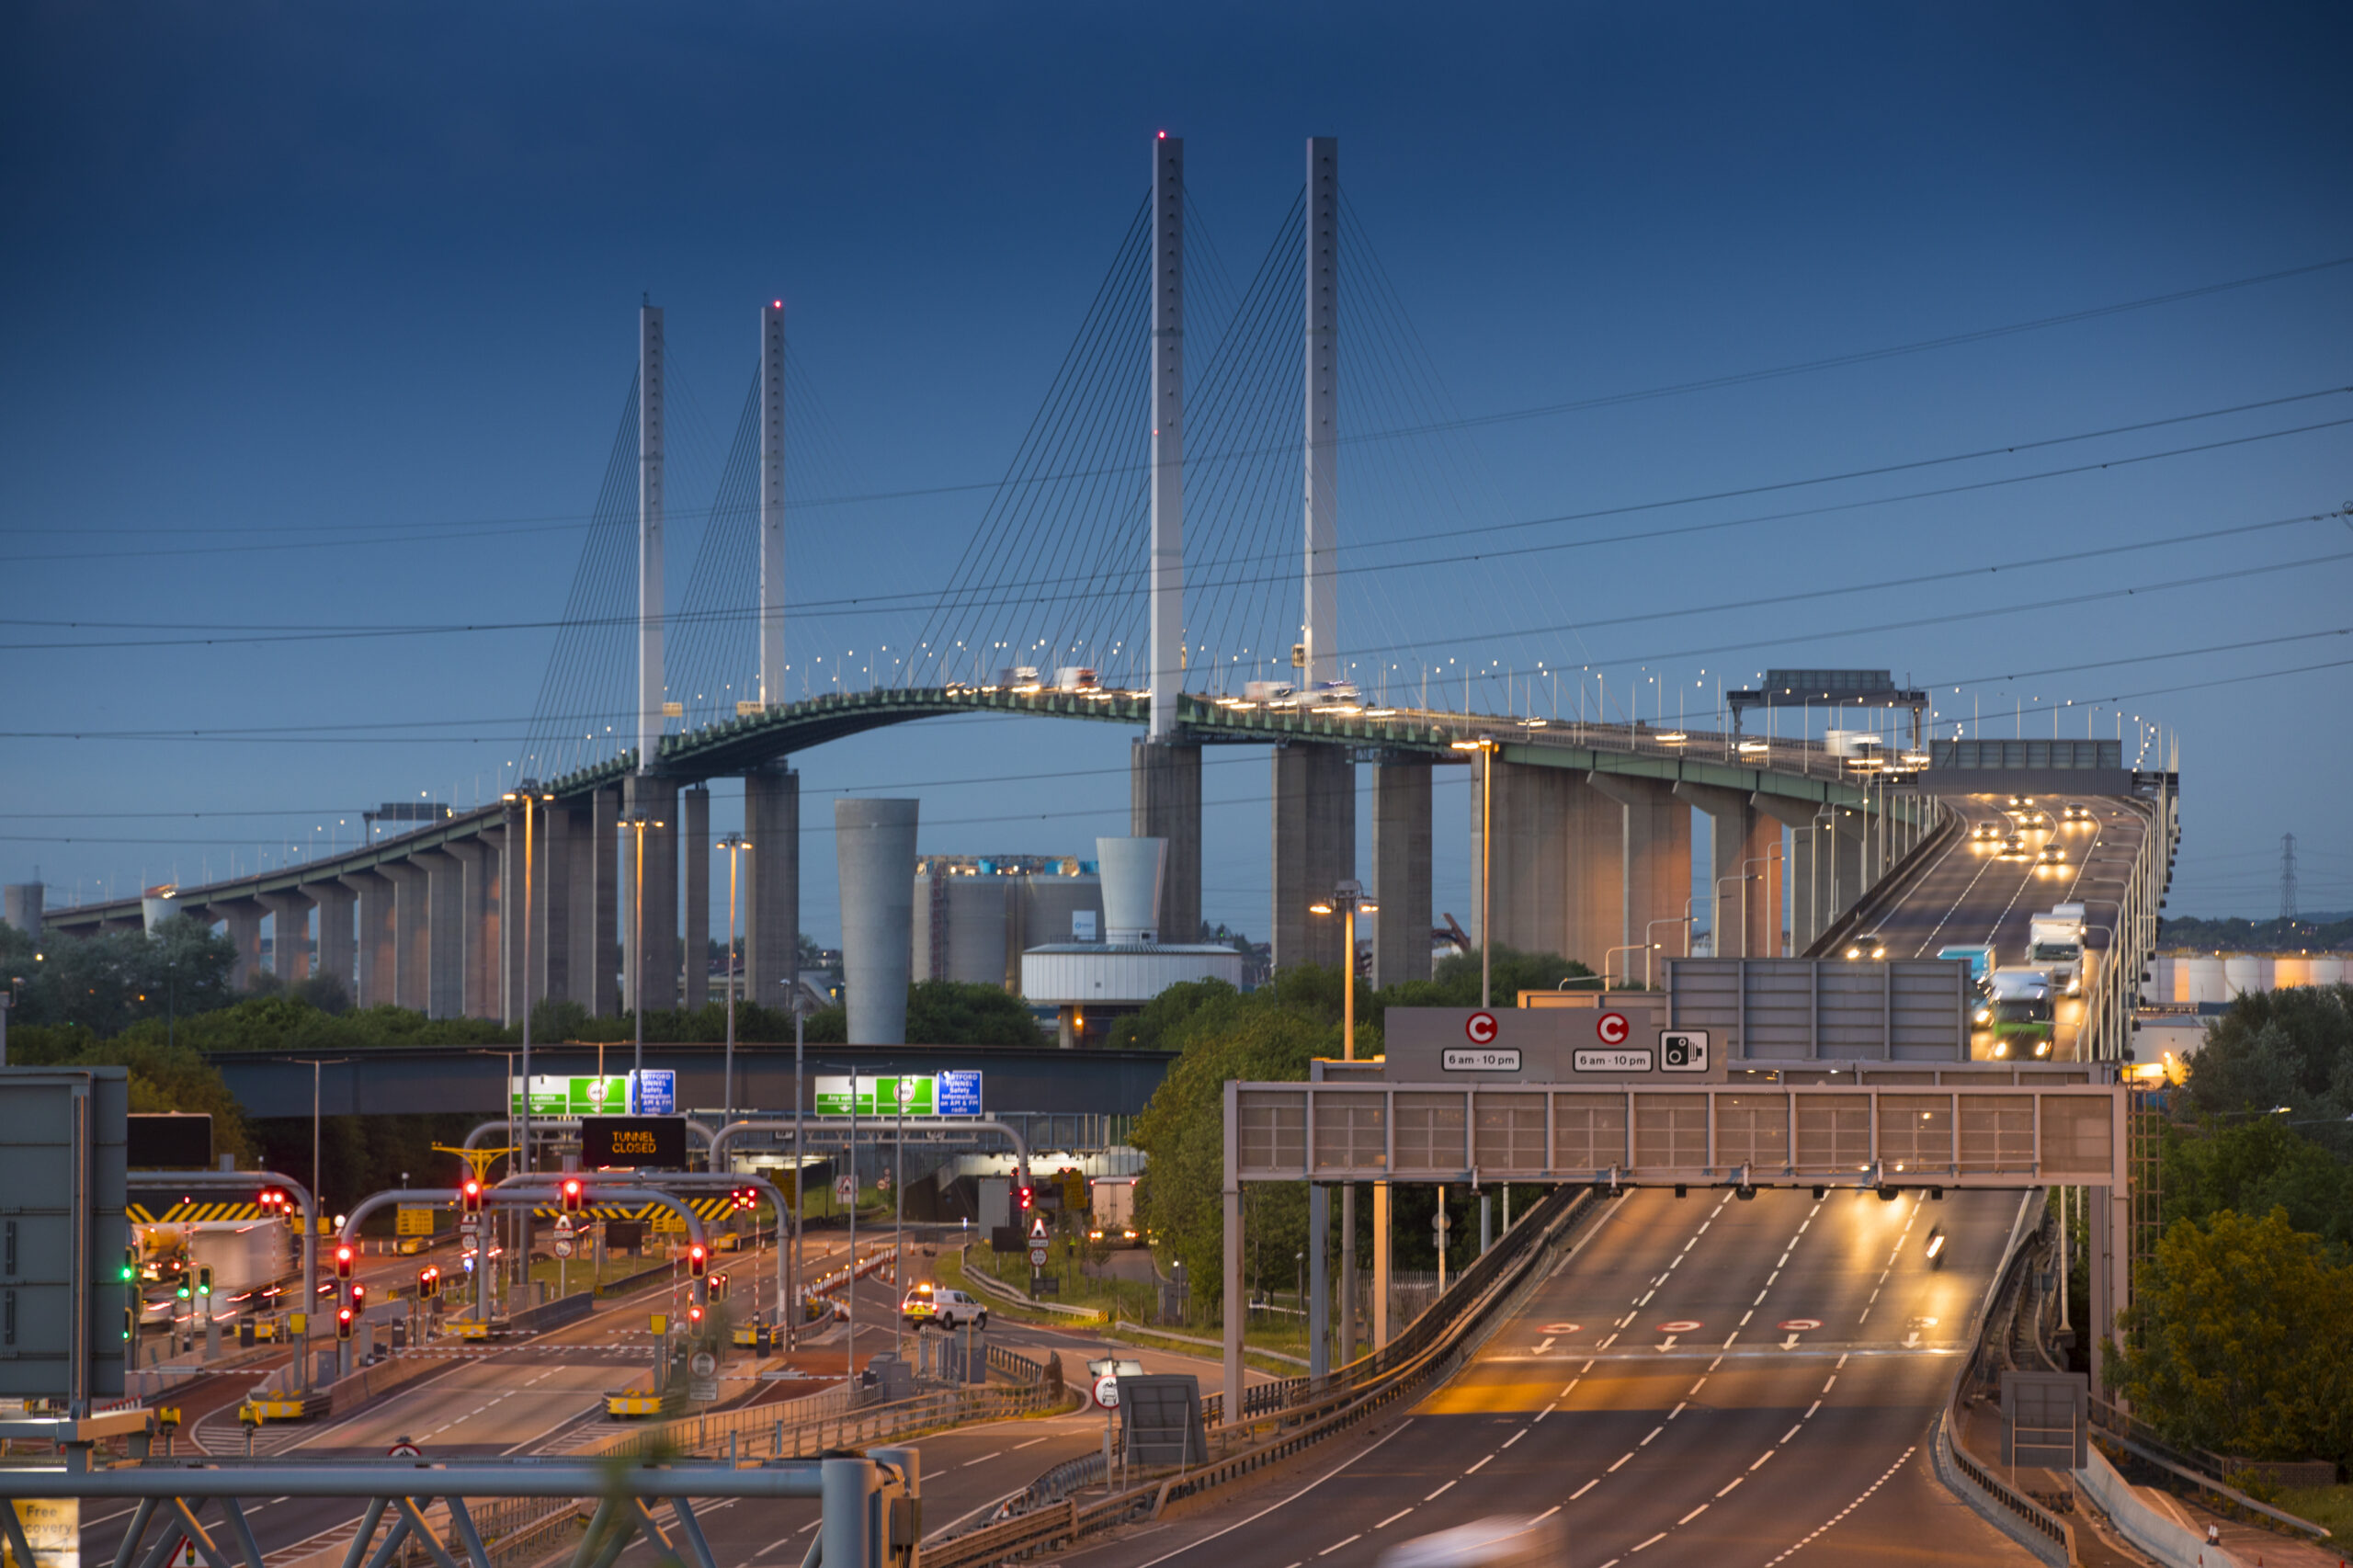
(552,1095)
(879,1097)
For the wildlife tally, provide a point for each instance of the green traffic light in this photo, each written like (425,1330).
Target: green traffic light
(182,1292)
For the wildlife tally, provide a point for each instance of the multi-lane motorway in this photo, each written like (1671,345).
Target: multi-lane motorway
(1704,1381)
(1966,894)
(544,1396)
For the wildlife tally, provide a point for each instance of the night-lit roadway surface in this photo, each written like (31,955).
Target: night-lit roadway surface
(544,1396)
(1706,1382)
(1967,895)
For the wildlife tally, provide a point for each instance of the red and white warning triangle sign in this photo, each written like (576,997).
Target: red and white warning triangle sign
(1036,1227)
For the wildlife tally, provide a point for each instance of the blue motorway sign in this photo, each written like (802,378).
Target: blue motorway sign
(654,1091)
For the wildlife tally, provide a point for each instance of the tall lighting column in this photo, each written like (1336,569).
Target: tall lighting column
(735,845)
(1348,900)
(640,822)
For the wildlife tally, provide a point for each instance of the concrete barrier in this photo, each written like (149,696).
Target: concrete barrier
(347,1395)
(2152,1531)
(554,1314)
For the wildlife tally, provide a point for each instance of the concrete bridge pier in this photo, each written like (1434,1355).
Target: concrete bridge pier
(337,949)
(241,922)
(1314,847)
(771,895)
(593,906)
(1743,871)
(373,892)
(521,965)
(1654,867)
(1795,864)
(412,933)
(443,934)
(694,838)
(653,974)
(290,936)
(1165,801)
(480,915)
(1559,849)
(1400,870)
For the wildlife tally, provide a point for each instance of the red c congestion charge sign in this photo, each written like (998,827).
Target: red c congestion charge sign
(1613,1029)
(1480,1028)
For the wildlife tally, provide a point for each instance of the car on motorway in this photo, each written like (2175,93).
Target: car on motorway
(2074,813)
(928,1304)
(1870,945)
(1501,1542)
(2013,846)
(1986,833)
(2017,800)
(2052,855)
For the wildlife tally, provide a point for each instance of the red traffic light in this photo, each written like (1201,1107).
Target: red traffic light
(571,1194)
(697,1260)
(342,1323)
(470,1195)
(1028,1195)
(359,1295)
(343,1261)
(694,1315)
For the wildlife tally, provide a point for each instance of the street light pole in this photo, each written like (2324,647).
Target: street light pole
(733,842)
(640,822)
(526,791)
(1348,900)
(1486,746)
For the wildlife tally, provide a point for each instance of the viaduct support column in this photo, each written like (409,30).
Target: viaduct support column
(1790,871)
(595,906)
(1165,801)
(1654,854)
(654,972)
(521,961)
(446,933)
(412,934)
(378,938)
(241,919)
(479,918)
(771,885)
(1315,849)
(694,833)
(551,869)
(336,950)
(1558,850)
(290,935)
(1400,875)
(1742,925)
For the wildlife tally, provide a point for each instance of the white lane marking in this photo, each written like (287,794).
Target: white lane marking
(1514,1437)
(1714,1364)
(1761,1459)
(1646,1441)
(983,1460)
(1294,1497)
(1653,1540)
(1842,1360)
(1833,1378)
(1792,1431)
(1901,1460)
(1572,1383)
(1481,1465)
(1393,1518)
(1621,1460)
(1338,1544)
(1691,1515)
(1812,1408)
(1677,1410)
(1732,1483)
(1440,1492)
(1546,1411)
(1030,1444)
(1746,1315)
(1695,1387)
(1586,1488)
(1545,1514)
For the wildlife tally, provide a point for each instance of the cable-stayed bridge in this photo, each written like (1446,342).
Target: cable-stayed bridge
(1167,552)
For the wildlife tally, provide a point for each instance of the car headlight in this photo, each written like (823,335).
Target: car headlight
(1985,1016)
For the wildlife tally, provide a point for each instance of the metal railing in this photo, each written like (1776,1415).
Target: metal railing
(1301,1411)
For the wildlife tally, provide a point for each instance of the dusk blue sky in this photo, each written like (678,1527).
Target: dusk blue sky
(325,315)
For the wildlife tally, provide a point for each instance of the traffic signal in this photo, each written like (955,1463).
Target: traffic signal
(717,1288)
(428,1284)
(343,1261)
(698,1260)
(694,1315)
(129,1265)
(746,1197)
(130,1319)
(184,1292)
(470,1195)
(1028,1196)
(571,1191)
(204,1282)
(343,1318)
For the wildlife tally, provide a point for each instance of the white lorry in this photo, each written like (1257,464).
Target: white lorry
(2054,944)
(1111,1202)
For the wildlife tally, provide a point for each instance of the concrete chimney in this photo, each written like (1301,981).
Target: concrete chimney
(874,844)
(1132,870)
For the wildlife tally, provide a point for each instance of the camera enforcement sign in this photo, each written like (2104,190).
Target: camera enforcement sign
(633,1141)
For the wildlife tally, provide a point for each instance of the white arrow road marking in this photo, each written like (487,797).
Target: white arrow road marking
(1669,1342)
(1791,1342)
